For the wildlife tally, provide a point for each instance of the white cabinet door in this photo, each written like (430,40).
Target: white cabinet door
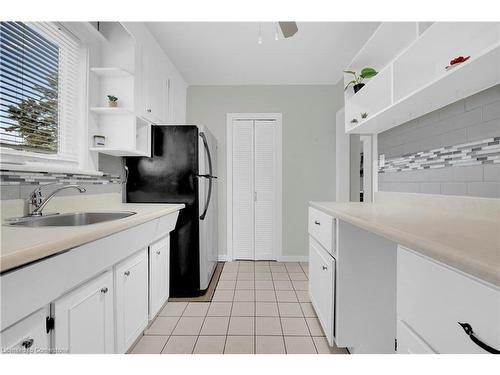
(84,319)
(27,336)
(265,188)
(159,275)
(153,84)
(243,190)
(131,281)
(322,286)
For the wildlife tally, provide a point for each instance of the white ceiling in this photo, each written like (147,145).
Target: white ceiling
(227,53)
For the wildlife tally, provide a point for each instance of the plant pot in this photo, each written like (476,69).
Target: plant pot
(358,87)
(113,104)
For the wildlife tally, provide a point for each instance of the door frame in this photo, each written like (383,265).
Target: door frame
(278,214)
(366,146)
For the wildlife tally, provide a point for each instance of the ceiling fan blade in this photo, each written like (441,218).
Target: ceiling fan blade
(288,28)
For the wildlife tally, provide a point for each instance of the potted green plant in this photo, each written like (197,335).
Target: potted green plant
(358,78)
(112,101)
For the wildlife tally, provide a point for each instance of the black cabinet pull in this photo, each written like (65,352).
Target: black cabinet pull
(468,330)
(28,343)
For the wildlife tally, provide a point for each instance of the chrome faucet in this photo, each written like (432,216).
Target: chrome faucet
(37,203)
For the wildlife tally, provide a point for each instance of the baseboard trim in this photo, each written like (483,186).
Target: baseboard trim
(293,258)
(283,258)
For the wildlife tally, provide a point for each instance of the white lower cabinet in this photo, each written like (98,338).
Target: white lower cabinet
(322,286)
(131,294)
(159,275)
(27,336)
(84,319)
(432,299)
(322,227)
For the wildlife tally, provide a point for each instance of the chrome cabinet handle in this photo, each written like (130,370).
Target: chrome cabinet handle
(148,110)
(317,222)
(28,343)
(325,268)
(104,290)
(158,252)
(468,330)
(127,273)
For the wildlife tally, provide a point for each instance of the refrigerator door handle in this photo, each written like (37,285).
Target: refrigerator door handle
(205,143)
(202,216)
(209,176)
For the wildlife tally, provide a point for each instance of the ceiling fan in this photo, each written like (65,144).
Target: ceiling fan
(288,28)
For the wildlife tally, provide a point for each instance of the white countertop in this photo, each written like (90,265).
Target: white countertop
(21,245)
(467,242)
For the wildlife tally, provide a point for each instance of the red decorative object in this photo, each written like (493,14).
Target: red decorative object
(459,59)
(456,61)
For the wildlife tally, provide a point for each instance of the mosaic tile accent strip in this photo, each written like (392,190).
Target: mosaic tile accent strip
(8,177)
(486,151)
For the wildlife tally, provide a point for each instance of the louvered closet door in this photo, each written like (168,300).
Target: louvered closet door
(243,190)
(254,189)
(265,187)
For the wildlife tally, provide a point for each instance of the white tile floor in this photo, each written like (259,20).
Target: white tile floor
(258,307)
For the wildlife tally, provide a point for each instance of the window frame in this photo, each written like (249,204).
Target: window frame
(11,158)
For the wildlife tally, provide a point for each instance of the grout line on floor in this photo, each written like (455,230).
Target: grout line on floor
(164,345)
(238,271)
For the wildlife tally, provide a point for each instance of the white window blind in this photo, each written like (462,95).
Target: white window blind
(39,64)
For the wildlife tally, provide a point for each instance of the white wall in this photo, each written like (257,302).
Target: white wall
(342,159)
(308,145)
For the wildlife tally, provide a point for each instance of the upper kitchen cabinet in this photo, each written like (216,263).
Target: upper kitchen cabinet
(113,73)
(415,74)
(152,96)
(130,65)
(161,92)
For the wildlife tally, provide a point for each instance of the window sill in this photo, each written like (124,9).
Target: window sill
(39,167)
(15,160)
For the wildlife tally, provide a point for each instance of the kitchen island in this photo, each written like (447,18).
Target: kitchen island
(408,268)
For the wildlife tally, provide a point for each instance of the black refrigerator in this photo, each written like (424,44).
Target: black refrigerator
(182,169)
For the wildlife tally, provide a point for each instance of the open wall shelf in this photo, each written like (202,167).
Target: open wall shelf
(110,111)
(377,52)
(125,134)
(118,152)
(416,82)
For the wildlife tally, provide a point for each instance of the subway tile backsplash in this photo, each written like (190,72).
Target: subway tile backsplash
(18,184)
(486,151)
(454,150)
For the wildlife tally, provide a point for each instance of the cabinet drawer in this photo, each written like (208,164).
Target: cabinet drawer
(27,336)
(409,342)
(322,286)
(321,227)
(433,298)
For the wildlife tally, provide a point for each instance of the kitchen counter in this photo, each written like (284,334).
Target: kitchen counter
(461,238)
(21,245)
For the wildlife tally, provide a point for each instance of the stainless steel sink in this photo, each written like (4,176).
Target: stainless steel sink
(70,219)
